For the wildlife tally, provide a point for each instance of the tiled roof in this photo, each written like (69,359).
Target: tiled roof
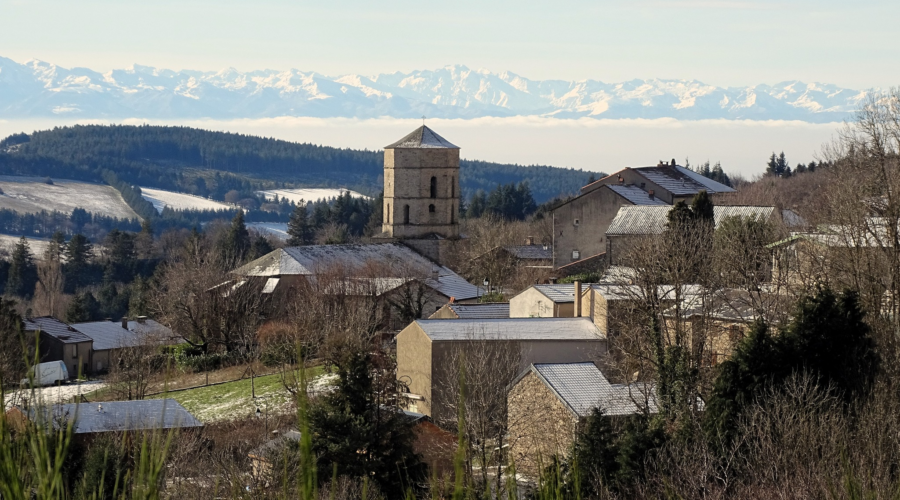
(511,329)
(454,285)
(635,194)
(491,310)
(126,415)
(559,293)
(681,181)
(111,335)
(57,329)
(582,387)
(531,252)
(638,220)
(422,137)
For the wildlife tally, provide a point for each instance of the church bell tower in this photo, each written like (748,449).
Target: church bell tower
(421,187)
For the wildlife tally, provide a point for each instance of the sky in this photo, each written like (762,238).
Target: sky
(720,42)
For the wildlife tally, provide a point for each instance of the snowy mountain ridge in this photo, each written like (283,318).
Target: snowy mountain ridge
(41,89)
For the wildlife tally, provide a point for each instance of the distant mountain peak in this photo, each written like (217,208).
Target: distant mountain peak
(38,89)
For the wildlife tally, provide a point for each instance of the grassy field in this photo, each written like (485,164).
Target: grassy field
(233,400)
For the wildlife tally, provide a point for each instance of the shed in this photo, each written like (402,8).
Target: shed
(544,301)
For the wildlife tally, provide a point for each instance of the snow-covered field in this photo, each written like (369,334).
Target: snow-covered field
(311,194)
(276,229)
(180,201)
(37,245)
(54,394)
(31,195)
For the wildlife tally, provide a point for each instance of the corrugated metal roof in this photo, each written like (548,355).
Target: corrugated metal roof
(111,335)
(638,220)
(511,329)
(582,387)
(113,416)
(560,293)
(681,181)
(635,194)
(422,137)
(491,310)
(531,252)
(56,329)
(454,285)
(400,261)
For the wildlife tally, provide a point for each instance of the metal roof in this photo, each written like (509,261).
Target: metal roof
(490,310)
(582,387)
(639,220)
(681,181)
(454,285)
(111,335)
(531,252)
(56,329)
(113,416)
(422,138)
(558,293)
(400,261)
(511,329)
(635,194)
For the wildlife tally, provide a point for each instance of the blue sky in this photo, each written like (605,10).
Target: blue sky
(731,43)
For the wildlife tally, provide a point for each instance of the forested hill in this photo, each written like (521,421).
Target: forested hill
(170,158)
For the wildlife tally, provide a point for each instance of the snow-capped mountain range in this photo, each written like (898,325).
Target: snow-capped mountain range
(39,89)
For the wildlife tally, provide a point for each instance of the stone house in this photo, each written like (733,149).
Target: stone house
(487,310)
(428,352)
(545,301)
(108,337)
(548,403)
(580,224)
(60,342)
(633,223)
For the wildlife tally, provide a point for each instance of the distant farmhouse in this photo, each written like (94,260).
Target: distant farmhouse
(580,224)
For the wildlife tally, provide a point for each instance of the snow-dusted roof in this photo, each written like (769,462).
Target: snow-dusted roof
(56,329)
(111,416)
(315,259)
(635,194)
(490,310)
(511,329)
(531,252)
(639,220)
(111,335)
(681,181)
(454,285)
(422,138)
(582,387)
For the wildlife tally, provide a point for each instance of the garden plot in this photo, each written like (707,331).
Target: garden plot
(311,194)
(180,201)
(33,194)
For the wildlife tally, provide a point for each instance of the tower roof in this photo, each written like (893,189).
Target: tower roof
(424,138)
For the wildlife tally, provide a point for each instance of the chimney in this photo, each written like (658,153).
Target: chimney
(621,180)
(577,299)
(529,240)
(435,274)
(651,193)
(452,299)
(125,323)
(673,162)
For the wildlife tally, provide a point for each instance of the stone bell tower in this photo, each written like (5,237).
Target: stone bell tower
(421,187)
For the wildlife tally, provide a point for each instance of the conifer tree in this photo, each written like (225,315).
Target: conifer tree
(78,254)
(22,270)
(236,243)
(299,230)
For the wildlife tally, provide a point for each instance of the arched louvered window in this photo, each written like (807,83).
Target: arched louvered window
(406,214)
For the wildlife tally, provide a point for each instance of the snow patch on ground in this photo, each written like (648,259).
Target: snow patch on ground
(180,201)
(33,194)
(276,229)
(54,394)
(310,194)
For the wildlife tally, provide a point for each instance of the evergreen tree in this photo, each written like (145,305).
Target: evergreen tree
(83,307)
(702,207)
(772,165)
(12,341)
(782,168)
(361,437)
(259,247)
(299,230)
(75,270)
(22,271)
(477,205)
(236,243)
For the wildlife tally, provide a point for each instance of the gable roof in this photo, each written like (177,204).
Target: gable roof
(422,138)
(635,194)
(510,329)
(531,252)
(681,181)
(313,259)
(582,387)
(640,220)
(56,329)
(562,293)
(111,335)
(488,310)
(111,416)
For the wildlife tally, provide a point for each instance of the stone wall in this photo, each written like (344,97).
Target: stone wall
(414,366)
(580,225)
(540,425)
(410,210)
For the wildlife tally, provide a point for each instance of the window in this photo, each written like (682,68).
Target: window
(406,214)
(452,214)
(388,214)
(453,187)
(431,208)
(434,187)
(74,350)
(577,222)
(576,254)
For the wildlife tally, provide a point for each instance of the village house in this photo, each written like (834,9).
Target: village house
(428,353)
(633,223)
(60,342)
(108,337)
(548,403)
(486,310)
(545,301)
(580,224)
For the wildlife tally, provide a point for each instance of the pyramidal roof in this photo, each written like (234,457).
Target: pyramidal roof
(422,137)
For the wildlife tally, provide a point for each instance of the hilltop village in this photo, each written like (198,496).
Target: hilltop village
(583,350)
